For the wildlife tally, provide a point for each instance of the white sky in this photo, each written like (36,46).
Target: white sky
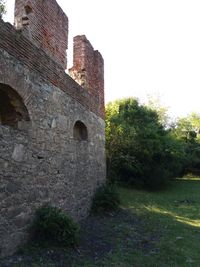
(150,47)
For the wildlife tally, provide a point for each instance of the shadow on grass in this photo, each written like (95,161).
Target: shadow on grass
(165,232)
(101,236)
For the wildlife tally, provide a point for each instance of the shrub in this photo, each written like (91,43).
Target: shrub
(105,199)
(52,225)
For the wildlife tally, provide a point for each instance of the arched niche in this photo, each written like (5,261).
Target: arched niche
(80,131)
(13,112)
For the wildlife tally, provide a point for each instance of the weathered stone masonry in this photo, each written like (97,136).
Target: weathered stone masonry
(51,130)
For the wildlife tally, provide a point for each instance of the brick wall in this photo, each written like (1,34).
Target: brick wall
(88,69)
(99,79)
(46,25)
(14,43)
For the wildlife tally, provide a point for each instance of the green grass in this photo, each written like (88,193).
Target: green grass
(175,215)
(156,229)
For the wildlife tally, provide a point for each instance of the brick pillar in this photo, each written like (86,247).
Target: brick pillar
(99,79)
(46,25)
(88,69)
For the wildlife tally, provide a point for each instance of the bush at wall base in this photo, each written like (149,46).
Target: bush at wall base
(106,199)
(52,225)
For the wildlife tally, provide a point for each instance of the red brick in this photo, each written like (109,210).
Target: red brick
(88,69)
(46,25)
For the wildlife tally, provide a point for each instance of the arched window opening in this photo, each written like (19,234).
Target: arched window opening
(80,131)
(12,109)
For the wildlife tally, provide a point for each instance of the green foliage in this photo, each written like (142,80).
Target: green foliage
(187,130)
(140,151)
(2,8)
(53,225)
(106,199)
(154,103)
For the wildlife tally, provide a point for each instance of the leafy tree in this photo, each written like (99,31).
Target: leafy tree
(188,128)
(184,130)
(154,103)
(140,151)
(2,8)
(187,131)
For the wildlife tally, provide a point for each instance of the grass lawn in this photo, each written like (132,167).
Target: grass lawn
(154,229)
(174,216)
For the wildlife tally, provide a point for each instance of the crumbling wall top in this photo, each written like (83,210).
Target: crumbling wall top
(39,62)
(88,68)
(46,25)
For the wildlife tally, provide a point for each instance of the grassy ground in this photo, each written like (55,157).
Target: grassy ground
(157,229)
(175,215)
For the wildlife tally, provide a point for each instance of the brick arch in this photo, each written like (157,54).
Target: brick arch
(13,111)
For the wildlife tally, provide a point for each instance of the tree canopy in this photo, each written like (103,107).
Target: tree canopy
(140,151)
(187,130)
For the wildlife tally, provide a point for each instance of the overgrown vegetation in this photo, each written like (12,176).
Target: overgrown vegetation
(187,130)
(145,152)
(106,199)
(2,8)
(52,226)
(140,151)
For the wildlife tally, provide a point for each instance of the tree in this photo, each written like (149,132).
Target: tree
(140,151)
(2,8)
(187,131)
(154,103)
(194,118)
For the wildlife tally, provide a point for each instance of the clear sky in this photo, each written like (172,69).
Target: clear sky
(150,47)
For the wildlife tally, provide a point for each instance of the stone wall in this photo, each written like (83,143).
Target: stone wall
(45,24)
(45,162)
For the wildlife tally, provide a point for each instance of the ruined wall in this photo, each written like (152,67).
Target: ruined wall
(88,69)
(37,60)
(46,25)
(45,162)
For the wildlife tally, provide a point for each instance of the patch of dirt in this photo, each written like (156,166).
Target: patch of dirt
(100,237)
